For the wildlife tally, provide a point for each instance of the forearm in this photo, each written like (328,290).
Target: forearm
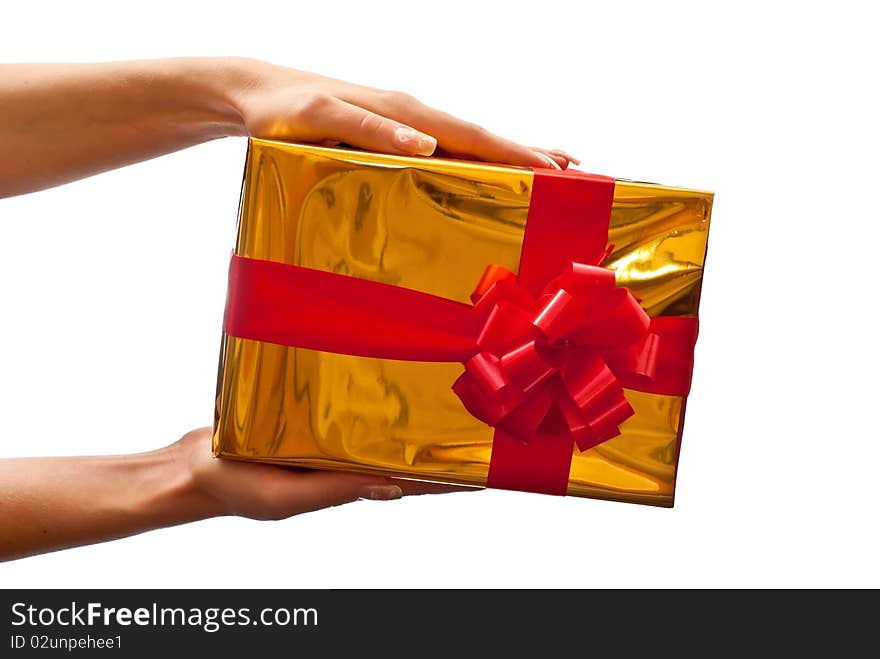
(54,503)
(61,122)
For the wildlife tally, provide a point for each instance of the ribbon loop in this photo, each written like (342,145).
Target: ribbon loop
(559,316)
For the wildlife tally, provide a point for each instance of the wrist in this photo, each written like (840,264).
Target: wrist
(224,84)
(211,88)
(168,492)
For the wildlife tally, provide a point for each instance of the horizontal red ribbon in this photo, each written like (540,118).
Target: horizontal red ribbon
(568,222)
(300,307)
(294,306)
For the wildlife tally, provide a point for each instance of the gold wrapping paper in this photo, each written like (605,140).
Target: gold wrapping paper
(431,225)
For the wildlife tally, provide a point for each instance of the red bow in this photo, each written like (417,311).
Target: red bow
(550,365)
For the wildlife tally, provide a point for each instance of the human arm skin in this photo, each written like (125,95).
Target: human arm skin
(62,122)
(48,504)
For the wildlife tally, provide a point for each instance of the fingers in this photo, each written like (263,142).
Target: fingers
(308,491)
(333,120)
(393,122)
(566,156)
(301,492)
(558,157)
(461,138)
(411,488)
(552,162)
(454,136)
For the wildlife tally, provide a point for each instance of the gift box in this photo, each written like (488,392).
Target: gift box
(460,322)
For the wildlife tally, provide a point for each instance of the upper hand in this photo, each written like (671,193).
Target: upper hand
(276,102)
(262,491)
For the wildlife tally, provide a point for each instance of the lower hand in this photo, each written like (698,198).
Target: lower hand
(261,491)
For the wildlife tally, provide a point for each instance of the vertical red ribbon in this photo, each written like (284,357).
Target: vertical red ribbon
(569,214)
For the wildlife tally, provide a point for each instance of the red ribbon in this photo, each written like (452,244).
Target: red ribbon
(547,352)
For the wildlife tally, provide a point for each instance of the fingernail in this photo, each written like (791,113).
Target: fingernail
(381,492)
(412,141)
(552,163)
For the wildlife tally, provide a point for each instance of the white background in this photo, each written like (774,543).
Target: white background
(111,289)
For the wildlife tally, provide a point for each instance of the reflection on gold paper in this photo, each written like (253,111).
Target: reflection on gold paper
(431,225)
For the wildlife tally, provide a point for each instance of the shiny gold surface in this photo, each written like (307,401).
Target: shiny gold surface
(431,225)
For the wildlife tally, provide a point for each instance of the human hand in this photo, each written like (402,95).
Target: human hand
(56,503)
(75,120)
(280,103)
(262,491)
